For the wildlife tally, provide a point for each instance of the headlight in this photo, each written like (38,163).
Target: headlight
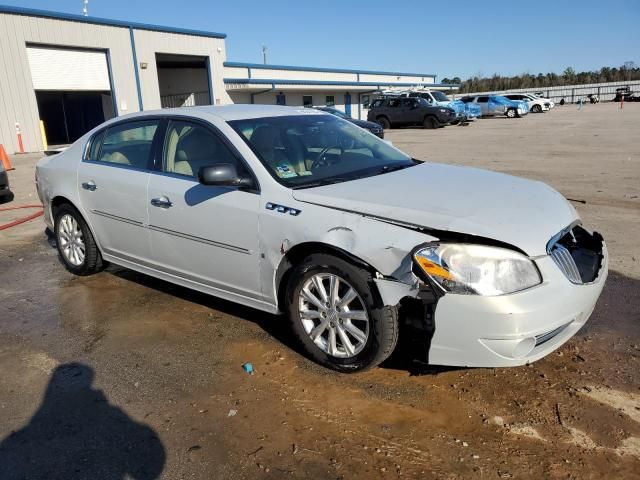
(477,269)
(444,110)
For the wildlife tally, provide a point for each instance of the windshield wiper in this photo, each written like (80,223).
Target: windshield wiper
(322,182)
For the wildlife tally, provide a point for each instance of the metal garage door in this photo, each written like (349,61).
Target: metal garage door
(70,70)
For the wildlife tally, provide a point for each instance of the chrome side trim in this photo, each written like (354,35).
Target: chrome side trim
(199,239)
(116,217)
(545,337)
(173,232)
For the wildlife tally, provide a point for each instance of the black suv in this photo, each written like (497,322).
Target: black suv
(400,111)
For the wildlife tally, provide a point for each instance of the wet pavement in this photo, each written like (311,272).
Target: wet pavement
(120,375)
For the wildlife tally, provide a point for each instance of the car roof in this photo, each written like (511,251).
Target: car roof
(226,112)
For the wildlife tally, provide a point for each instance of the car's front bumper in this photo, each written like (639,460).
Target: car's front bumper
(515,329)
(5,192)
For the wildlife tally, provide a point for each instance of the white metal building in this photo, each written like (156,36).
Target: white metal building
(61,75)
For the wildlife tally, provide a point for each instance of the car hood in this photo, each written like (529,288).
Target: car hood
(523,213)
(365,124)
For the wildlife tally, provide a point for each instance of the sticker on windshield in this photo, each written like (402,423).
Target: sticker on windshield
(285,172)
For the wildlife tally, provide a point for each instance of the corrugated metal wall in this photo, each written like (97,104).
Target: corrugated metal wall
(17,96)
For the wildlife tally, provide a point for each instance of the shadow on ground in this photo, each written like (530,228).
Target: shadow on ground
(77,434)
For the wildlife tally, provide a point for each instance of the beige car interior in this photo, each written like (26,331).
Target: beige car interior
(191,147)
(278,151)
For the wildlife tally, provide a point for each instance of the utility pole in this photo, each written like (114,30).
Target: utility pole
(85,8)
(264,54)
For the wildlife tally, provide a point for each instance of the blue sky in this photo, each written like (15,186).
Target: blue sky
(464,38)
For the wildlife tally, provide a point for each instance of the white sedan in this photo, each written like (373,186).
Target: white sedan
(298,211)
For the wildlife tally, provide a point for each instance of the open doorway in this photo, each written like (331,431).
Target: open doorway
(183,80)
(73,90)
(69,115)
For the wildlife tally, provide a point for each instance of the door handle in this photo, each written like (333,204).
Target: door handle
(162,202)
(90,185)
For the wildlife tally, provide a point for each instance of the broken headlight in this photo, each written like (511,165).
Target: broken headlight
(476,269)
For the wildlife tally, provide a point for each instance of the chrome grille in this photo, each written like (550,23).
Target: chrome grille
(565,261)
(578,253)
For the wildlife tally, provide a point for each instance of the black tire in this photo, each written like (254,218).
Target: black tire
(512,113)
(430,122)
(383,122)
(536,109)
(383,321)
(92,262)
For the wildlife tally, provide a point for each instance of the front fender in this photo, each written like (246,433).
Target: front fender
(384,247)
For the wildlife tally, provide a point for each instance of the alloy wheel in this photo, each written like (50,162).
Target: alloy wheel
(71,240)
(333,315)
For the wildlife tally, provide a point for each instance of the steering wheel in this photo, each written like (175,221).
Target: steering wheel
(320,160)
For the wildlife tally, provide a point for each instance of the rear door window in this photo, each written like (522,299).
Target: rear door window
(128,144)
(483,99)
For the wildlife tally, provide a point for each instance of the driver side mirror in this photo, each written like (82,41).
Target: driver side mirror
(223,175)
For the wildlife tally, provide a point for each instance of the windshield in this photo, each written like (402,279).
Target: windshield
(315,149)
(440,97)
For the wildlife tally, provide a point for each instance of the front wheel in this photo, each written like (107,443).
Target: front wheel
(511,113)
(430,122)
(75,243)
(384,123)
(536,109)
(335,315)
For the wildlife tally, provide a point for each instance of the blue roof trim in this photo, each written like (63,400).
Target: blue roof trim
(319,69)
(265,81)
(32,12)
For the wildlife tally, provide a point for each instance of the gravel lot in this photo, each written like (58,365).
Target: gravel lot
(123,376)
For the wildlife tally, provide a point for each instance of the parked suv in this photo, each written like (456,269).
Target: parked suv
(396,112)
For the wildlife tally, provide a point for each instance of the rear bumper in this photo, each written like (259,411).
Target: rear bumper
(5,192)
(515,329)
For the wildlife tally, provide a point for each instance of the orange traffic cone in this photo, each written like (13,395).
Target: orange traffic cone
(4,158)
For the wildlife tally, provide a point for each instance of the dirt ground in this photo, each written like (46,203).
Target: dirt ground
(120,375)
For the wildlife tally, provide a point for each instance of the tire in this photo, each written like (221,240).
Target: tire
(430,122)
(377,335)
(536,109)
(383,122)
(70,227)
(511,113)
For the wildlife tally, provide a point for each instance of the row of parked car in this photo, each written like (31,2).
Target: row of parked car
(433,109)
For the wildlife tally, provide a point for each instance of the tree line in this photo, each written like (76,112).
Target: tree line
(625,73)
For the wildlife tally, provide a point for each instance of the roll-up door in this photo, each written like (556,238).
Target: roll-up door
(68,70)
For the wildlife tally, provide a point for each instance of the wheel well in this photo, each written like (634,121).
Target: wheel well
(383,116)
(59,201)
(303,250)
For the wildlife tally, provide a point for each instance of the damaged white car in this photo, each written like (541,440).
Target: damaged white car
(297,211)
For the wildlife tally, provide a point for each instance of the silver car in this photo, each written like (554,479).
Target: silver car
(298,211)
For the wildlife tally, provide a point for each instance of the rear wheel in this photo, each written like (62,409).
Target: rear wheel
(430,122)
(536,109)
(335,316)
(511,113)
(384,123)
(75,243)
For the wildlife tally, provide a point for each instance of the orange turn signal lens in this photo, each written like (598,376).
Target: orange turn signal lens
(433,269)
